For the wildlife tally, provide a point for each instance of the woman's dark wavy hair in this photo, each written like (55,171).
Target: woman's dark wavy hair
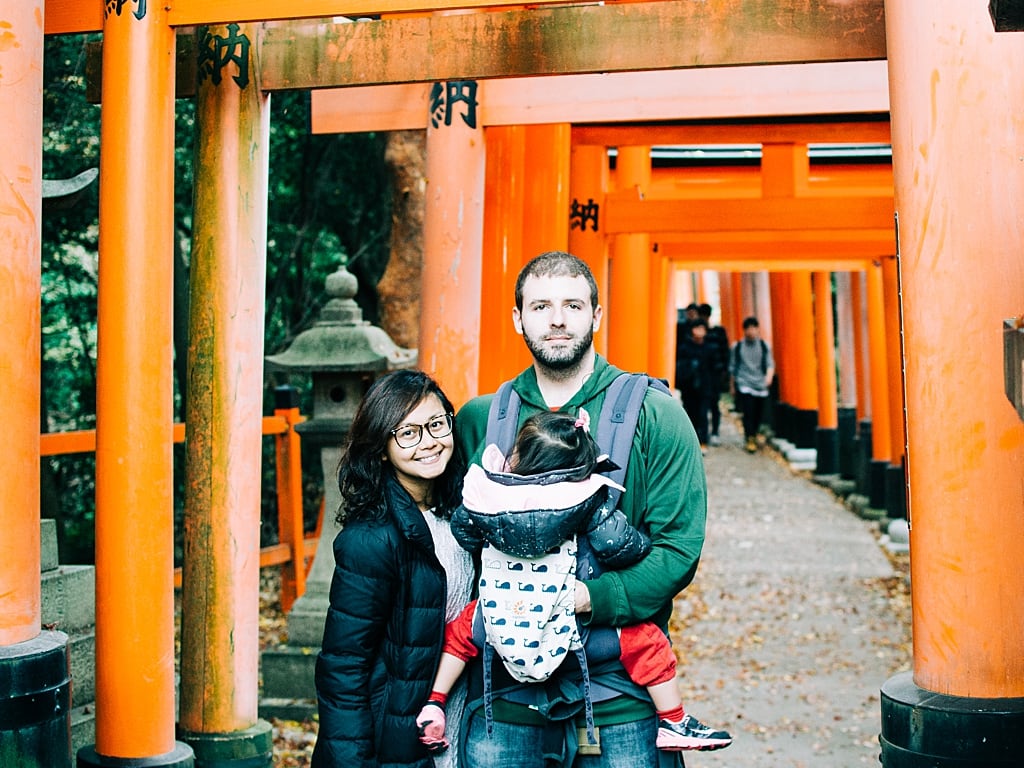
(362,473)
(551,440)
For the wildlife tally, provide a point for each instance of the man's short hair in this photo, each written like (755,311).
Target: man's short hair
(750,322)
(704,310)
(555,264)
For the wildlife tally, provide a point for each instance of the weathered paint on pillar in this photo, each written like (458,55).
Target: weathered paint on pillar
(800,322)
(450,330)
(629,291)
(588,184)
(881,447)
(503,355)
(859,319)
(134,471)
(955,85)
(220,573)
(825,351)
(21,162)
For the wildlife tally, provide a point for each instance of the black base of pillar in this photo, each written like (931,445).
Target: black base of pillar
(180,757)
(782,424)
(805,427)
(827,444)
(876,483)
(35,702)
(895,492)
(921,729)
(847,429)
(251,748)
(863,457)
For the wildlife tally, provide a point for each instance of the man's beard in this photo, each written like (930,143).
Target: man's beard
(562,362)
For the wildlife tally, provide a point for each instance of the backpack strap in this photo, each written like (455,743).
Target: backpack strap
(617,424)
(503,418)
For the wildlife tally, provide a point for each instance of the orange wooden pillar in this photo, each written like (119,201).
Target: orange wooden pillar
(757,302)
(960,269)
(588,185)
(453,239)
(782,351)
(629,291)
(827,432)
(134,418)
(741,289)
(21,162)
(502,356)
(220,573)
(728,302)
(847,375)
(546,196)
(34,685)
(895,476)
(800,327)
(858,322)
(662,319)
(881,447)
(863,441)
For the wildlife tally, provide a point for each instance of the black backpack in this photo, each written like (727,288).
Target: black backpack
(736,357)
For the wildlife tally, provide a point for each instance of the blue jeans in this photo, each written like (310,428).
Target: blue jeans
(629,745)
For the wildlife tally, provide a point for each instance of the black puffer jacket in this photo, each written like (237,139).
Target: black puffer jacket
(382,641)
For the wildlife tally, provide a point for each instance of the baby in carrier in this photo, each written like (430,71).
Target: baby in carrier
(524,515)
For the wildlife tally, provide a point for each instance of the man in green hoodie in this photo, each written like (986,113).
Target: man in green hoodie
(557,313)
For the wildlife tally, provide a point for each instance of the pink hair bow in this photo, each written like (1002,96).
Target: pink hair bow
(583,421)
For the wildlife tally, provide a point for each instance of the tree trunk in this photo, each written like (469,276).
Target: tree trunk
(399,287)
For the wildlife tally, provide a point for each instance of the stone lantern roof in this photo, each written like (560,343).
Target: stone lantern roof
(341,341)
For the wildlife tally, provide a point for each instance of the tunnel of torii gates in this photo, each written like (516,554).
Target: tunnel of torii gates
(931,291)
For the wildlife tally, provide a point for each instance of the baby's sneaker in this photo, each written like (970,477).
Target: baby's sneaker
(690,733)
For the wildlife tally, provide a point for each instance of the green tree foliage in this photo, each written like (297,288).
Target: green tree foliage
(329,200)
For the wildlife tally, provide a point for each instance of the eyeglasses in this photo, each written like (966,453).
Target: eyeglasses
(410,435)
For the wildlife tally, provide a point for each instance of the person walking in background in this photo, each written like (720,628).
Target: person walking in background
(399,576)
(697,377)
(718,340)
(752,368)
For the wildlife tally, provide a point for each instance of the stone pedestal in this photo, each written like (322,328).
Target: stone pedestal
(69,605)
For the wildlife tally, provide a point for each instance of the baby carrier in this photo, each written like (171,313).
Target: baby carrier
(533,647)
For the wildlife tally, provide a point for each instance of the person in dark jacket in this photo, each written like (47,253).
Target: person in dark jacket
(697,377)
(399,576)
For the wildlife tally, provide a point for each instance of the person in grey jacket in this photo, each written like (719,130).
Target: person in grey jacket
(752,368)
(549,490)
(399,575)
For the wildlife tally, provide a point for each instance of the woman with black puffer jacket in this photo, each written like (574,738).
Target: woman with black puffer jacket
(399,576)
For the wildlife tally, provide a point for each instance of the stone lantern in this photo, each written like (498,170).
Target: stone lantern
(343,354)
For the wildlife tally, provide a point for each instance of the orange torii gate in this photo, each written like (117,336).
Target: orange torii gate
(844,214)
(967,647)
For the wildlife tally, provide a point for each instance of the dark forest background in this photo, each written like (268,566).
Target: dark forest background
(329,199)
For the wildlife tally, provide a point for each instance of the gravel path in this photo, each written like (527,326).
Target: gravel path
(795,620)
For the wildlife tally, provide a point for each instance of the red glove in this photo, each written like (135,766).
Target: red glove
(431,723)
